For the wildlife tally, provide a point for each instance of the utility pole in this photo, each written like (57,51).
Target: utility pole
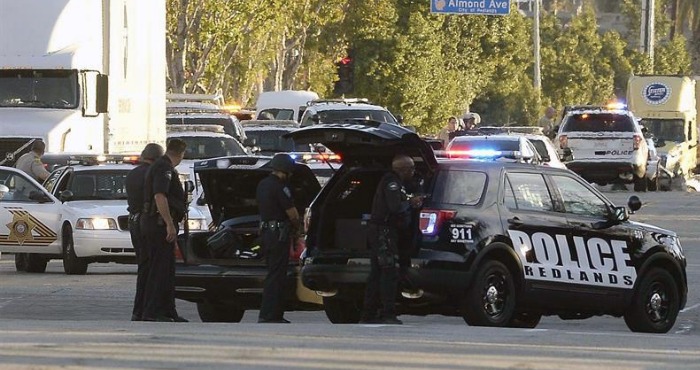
(646,35)
(536,41)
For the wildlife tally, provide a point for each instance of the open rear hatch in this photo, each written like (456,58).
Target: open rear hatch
(338,223)
(229,185)
(366,141)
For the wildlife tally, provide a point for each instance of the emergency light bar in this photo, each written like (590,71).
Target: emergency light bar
(218,129)
(484,154)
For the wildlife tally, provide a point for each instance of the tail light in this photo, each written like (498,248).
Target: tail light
(431,220)
(296,248)
(637,141)
(563,141)
(178,253)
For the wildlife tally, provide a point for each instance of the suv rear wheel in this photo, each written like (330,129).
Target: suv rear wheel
(490,300)
(342,311)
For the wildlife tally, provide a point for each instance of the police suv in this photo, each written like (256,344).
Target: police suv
(79,216)
(604,145)
(503,243)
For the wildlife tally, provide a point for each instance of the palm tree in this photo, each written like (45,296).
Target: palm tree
(685,14)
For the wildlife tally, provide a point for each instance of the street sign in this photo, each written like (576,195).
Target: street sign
(480,7)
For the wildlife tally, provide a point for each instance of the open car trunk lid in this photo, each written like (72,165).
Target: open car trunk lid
(229,186)
(366,141)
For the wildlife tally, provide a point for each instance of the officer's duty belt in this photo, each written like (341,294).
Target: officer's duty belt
(272,225)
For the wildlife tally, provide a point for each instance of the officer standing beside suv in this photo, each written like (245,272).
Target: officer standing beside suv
(391,217)
(279,224)
(134,191)
(164,208)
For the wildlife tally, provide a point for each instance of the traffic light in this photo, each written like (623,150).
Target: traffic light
(345,84)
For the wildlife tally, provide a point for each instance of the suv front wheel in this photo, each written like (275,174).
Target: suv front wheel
(490,300)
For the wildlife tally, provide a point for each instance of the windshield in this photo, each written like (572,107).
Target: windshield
(607,122)
(39,88)
(203,147)
(226,122)
(100,185)
(272,141)
(665,129)
(330,116)
(277,113)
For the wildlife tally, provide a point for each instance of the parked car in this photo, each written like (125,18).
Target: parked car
(226,281)
(503,242)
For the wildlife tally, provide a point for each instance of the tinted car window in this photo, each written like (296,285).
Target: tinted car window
(460,187)
(607,122)
(330,116)
(529,191)
(272,141)
(226,122)
(276,113)
(203,147)
(540,147)
(578,199)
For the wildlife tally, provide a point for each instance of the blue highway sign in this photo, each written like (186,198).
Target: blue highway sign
(480,7)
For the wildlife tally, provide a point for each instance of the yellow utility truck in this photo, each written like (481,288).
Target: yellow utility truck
(667,107)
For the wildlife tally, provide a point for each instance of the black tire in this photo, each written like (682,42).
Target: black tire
(640,183)
(655,303)
(490,300)
(21,262)
(36,263)
(211,312)
(341,311)
(72,264)
(525,320)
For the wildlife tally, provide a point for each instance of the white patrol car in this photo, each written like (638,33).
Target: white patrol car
(336,110)
(80,217)
(604,146)
(203,142)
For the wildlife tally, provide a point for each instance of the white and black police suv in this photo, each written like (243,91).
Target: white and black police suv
(224,270)
(502,243)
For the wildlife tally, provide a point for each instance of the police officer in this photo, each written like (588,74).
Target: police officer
(391,217)
(31,163)
(164,208)
(279,226)
(134,191)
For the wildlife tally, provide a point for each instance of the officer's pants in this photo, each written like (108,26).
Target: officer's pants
(138,240)
(277,259)
(159,299)
(383,280)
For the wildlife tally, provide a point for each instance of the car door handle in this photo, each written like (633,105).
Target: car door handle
(515,221)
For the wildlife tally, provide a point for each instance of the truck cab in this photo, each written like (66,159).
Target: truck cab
(667,109)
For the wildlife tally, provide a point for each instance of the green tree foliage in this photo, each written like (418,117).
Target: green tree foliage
(424,66)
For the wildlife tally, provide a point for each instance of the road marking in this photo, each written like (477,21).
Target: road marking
(684,328)
(690,308)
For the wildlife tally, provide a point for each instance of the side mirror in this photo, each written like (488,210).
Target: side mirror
(545,158)
(399,119)
(65,196)
(634,203)
(250,142)
(189,186)
(620,214)
(201,201)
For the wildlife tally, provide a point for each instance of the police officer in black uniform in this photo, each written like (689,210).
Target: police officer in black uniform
(391,217)
(279,227)
(164,208)
(134,191)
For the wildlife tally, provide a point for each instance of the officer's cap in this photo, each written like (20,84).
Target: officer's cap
(152,151)
(282,162)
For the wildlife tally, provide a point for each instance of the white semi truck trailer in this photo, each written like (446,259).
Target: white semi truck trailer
(84,76)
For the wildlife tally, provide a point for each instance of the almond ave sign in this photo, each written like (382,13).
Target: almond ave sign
(480,7)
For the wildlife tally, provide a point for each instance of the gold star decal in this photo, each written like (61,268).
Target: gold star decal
(21,228)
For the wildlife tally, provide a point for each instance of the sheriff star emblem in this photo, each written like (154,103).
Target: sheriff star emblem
(21,228)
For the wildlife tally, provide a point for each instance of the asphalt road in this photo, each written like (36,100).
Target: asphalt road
(52,320)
